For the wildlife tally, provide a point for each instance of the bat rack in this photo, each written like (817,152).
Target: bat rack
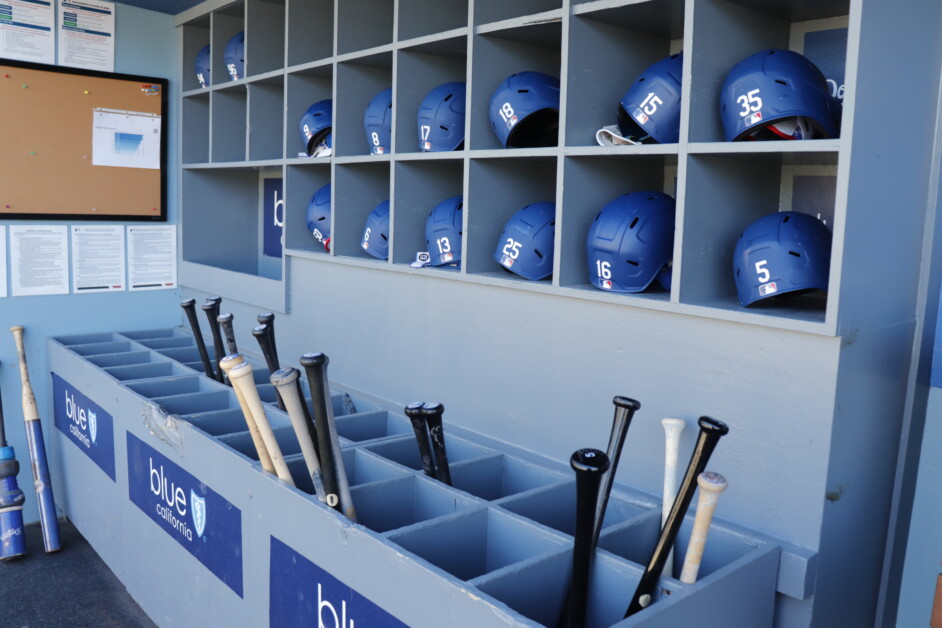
(494,549)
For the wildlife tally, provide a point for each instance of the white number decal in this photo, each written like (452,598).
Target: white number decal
(750,102)
(375,137)
(366,235)
(649,104)
(425,130)
(232,71)
(512,248)
(837,91)
(307,132)
(506,111)
(603,269)
(318,235)
(762,271)
(444,246)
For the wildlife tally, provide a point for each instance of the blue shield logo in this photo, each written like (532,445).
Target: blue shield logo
(93,425)
(198,512)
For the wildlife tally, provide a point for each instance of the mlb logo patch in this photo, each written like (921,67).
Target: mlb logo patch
(606,284)
(767,289)
(640,116)
(447,257)
(377,150)
(426,146)
(511,122)
(366,244)
(506,261)
(754,119)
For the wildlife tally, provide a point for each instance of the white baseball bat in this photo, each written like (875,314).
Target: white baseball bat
(672,430)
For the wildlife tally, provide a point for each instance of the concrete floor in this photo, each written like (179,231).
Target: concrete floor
(72,587)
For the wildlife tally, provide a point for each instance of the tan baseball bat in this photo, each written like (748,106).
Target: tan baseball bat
(226,364)
(241,377)
(711,485)
(285,380)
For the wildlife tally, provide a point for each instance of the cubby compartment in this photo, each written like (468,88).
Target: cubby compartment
(420,69)
(186,354)
(740,28)
(122,359)
(86,339)
(498,189)
(481,541)
(195,38)
(418,18)
(486,11)
(226,22)
(229,110)
(101,348)
(173,342)
(589,184)
(217,422)
(284,434)
(266,118)
(499,53)
(720,203)
(358,82)
(420,186)
(358,189)
(609,48)
(149,334)
(172,386)
(265,36)
(227,202)
(310,30)
(555,506)
(500,476)
(187,403)
(405,451)
(305,87)
(400,502)
(302,181)
(145,371)
(371,425)
(196,128)
(364,24)
(363,467)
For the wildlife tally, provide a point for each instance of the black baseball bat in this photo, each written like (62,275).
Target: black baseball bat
(189,306)
(225,323)
(313,364)
(419,426)
(590,465)
(710,432)
(211,307)
(268,350)
(433,417)
(625,409)
(268,318)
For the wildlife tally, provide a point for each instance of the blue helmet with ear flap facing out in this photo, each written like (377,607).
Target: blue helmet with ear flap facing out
(378,122)
(650,109)
(778,94)
(234,55)
(524,110)
(631,242)
(526,244)
(316,126)
(375,240)
(318,216)
(443,232)
(203,66)
(441,118)
(781,253)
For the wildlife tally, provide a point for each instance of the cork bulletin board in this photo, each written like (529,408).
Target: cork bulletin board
(81,144)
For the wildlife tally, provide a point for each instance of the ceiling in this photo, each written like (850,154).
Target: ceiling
(164,6)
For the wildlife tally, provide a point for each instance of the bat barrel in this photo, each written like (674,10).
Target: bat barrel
(211,308)
(417,418)
(268,318)
(286,382)
(589,465)
(314,366)
(189,308)
(711,486)
(225,322)
(433,418)
(265,343)
(625,409)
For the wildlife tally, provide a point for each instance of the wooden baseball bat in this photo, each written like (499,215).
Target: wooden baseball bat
(37,452)
(189,307)
(285,380)
(241,376)
(672,430)
(225,323)
(226,365)
(417,418)
(590,465)
(711,486)
(436,431)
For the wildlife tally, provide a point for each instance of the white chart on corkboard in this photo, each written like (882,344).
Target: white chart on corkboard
(81,145)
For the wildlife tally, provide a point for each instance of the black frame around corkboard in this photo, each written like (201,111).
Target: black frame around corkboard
(79,144)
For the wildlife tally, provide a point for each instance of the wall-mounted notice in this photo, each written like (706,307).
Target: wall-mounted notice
(3,260)
(39,259)
(26,30)
(98,258)
(86,34)
(152,257)
(126,139)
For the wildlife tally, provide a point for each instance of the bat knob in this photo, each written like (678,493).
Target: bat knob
(214,300)
(265,317)
(224,318)
(710,425)
(433,409)
(208,306)
(17,329)
(230,361)
(260,330)
(591,461)
(284,376)
(314,359)
(712,482)
(414,409)
(241,370)
(627,403)
(187,303)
